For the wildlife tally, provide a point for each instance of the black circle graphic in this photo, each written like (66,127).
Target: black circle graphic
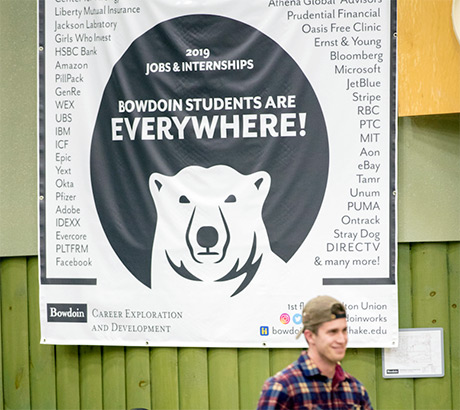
(226,59)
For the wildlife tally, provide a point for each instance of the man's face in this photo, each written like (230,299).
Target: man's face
(331,340)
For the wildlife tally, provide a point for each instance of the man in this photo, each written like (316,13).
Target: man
(316,380)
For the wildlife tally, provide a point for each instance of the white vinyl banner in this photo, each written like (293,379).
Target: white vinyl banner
(207,167)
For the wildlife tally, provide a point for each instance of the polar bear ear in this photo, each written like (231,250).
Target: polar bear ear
(156,182)
(262,181)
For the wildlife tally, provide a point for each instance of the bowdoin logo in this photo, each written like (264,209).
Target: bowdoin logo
(61,312)
(210,225)
(235,158)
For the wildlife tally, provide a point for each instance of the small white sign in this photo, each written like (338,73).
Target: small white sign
(420,354)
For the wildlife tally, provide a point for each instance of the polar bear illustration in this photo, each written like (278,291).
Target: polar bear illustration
(209,225)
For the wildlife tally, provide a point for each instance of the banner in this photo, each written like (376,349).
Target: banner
(208,167)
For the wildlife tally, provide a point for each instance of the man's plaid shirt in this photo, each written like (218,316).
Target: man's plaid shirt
(302,386)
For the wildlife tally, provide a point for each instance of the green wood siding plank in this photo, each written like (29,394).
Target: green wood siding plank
(254,369)
(361,364)
(280,358)
(113,378)
(405,286)
(453,260)
(193,379)
(1,350)
(223,379)
(398,394)
(15,333)
(138,377)
(42,363)
(67,377)
(430,307)
(165,378)
(90,378)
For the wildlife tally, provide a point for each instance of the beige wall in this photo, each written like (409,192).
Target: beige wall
(18,135)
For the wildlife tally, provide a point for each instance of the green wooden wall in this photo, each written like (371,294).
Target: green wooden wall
(34,376)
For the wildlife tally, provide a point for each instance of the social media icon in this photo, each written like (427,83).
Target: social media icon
(297,318)
(285,318)
(264,330)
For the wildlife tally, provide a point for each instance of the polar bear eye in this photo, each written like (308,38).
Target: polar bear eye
(230,198)
(184,200)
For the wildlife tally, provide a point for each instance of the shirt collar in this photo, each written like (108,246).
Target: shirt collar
(339,375)
(310,369)
(307,365)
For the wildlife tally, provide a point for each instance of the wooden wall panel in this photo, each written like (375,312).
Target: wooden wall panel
(91,377)
(361,364)
(428,58)
(113,378)
(254,369)
(137,377)
(398,394)
(15,334)
(1,350)
(430,303)
(280,358)
(453,263)
(67,378)
(165,378)
(193,378)
(223,379)
(42,362)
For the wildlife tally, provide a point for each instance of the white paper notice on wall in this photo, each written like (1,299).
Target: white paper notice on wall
(420,354)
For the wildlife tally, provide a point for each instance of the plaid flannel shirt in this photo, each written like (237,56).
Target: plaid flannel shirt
(302,386)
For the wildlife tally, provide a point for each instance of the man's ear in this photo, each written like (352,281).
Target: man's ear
(309,336)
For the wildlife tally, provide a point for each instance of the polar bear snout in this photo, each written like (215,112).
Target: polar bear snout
(207,237)
(208,242)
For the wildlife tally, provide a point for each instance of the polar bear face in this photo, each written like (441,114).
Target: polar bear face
(210,225)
